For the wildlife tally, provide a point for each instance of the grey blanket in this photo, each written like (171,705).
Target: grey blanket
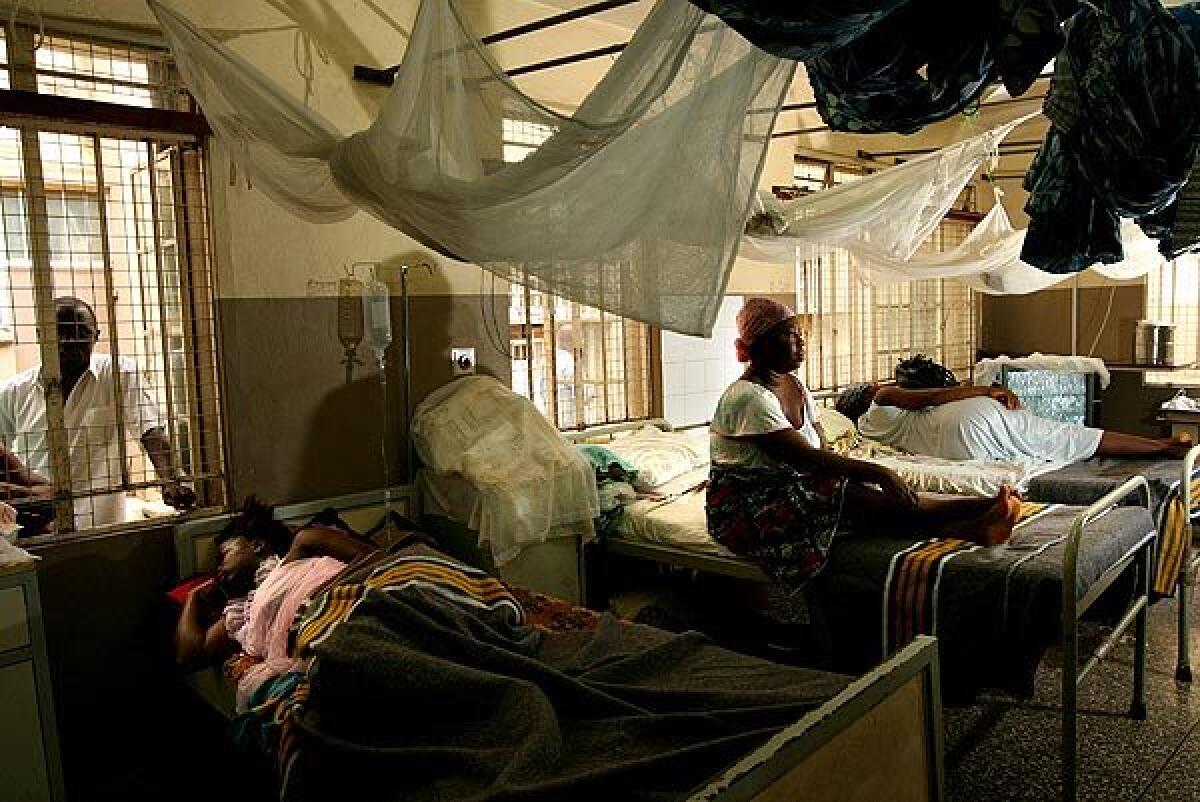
(993,610)
(1086,482)
(416,698)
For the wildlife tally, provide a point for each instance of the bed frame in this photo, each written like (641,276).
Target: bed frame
(1191,559)
(880,737)
(1073,607)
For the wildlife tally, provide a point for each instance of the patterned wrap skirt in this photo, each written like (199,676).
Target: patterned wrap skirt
(782,519)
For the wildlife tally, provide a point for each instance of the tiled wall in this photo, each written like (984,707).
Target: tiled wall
(696,371)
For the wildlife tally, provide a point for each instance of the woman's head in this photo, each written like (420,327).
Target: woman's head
(768,336)
(855,400)
(253,535)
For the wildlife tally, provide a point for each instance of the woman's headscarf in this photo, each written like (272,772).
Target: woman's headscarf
(756,318)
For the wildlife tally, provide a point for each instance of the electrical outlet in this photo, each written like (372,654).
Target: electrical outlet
(462,361)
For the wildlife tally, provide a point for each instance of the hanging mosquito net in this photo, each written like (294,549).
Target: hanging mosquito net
(884,220)
(635,204)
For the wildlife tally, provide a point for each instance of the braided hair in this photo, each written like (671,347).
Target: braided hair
(256,521)
(922,373)
(854,401)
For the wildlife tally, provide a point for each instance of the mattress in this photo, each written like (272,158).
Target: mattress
(677,520)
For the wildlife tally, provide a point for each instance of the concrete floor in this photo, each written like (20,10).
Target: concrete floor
(1001,749)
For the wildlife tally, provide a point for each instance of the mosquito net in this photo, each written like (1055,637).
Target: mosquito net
(635,204)
(884,220)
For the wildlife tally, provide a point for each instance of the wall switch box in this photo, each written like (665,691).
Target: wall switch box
(462,361)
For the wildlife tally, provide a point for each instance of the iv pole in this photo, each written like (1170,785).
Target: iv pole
(408,404)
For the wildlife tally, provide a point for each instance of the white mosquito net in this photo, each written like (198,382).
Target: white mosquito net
(883,221)
(635,204)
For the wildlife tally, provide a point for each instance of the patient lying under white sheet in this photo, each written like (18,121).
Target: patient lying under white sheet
(983,423)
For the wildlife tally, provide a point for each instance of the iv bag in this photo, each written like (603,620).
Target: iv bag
(350,313)
(377,315)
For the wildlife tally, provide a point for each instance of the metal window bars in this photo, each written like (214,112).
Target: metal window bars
(857,332)
(581,366)
(117,218)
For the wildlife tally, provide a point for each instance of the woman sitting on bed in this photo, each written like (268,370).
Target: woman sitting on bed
(777,495)
(964,422)
(266,573)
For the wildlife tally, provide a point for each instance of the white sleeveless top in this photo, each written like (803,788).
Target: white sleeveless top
(747,409)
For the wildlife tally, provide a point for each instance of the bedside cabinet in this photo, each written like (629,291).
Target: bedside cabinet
(29,759)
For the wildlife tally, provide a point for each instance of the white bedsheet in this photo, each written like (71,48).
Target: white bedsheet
(678,521)
(973,477)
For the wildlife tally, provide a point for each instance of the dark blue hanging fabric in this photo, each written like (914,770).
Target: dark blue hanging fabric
(800,30)
(1125,127)
(898,65)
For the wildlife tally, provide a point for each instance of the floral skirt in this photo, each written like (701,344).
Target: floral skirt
(782,519)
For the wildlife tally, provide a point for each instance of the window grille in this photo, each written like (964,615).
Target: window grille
(857,332)
(581,366)
(117,218)
(1173,296)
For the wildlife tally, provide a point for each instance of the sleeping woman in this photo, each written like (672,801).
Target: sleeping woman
(266,573)
(930,413)
(777,495)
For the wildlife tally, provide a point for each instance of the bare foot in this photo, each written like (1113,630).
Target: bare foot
(995,526)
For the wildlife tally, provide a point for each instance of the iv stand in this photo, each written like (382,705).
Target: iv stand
(409,463)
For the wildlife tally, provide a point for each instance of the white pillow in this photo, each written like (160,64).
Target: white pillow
(835,424)
(659,456)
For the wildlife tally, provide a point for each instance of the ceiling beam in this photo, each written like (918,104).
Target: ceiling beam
(385,76)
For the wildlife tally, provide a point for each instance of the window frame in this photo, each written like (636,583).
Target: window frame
(178,135)
(862,346)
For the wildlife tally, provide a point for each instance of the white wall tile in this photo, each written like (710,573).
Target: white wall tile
(693,381)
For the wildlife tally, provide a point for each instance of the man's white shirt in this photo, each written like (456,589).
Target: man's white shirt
(91,422)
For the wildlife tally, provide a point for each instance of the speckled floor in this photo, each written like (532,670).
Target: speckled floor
(1001,749)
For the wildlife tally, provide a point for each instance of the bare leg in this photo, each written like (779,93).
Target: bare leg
(987,521)
(1116,444)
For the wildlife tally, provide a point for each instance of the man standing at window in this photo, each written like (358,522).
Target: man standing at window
(89,390)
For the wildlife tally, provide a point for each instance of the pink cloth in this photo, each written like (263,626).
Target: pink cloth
(758,316)
(270,614)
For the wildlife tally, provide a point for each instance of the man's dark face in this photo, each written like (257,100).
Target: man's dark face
(77,335)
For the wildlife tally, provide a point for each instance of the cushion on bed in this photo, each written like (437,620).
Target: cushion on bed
(836,425)
(659,456)
(180,592)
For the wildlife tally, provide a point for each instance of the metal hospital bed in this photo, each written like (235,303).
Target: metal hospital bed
(1136,555)
(880,736)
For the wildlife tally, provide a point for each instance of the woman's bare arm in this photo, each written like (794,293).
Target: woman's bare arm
(324,541)
(920,399)
(200,634)
(789,446)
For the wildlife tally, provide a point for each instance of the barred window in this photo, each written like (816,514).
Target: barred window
(581,366)
(857,332)
(109,209)
(1173,296)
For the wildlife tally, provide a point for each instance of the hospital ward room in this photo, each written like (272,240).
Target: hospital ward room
(571,400)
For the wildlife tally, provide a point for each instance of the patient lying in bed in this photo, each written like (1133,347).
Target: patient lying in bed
(962,422)
(266,573)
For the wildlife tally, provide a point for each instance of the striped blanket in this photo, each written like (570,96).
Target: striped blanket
(427,683)
(1174,537)
(1086,482)
(994,610)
